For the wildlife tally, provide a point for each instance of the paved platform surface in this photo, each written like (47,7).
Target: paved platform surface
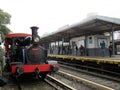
(98,59)
(114,57)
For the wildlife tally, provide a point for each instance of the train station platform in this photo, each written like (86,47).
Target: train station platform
(107,60)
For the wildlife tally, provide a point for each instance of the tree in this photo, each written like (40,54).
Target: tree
(4,20)
(4,31)
(2,53)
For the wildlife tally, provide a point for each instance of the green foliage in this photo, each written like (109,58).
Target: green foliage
(2,36)
(2,53)
(4,20)
(4,31)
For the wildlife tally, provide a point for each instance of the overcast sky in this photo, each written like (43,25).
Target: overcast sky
(49,15)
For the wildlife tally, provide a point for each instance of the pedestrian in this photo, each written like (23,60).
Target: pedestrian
(110,49)
(63,50)
(102,44)
(81,50)
(58,50)
(67,50)
(76,50)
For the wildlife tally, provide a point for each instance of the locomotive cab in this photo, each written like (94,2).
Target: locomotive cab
(15,45)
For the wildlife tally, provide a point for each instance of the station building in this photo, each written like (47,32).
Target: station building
(89,32)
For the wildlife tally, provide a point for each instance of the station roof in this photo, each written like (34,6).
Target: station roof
(89,26)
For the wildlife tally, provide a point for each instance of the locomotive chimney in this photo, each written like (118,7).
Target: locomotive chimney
(35,36)
(34,30)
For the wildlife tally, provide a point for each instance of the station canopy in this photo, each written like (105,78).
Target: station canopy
(89,26)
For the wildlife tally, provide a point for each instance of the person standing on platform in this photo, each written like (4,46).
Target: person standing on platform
(103,48)
(58,50)
(81,50)
(110,49)
(76,50)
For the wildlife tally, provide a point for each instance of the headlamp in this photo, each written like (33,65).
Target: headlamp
(36,39)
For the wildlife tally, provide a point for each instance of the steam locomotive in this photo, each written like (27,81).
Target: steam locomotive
(24,55)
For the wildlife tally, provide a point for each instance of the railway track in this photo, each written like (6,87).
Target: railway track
(87,70)
(57,84)
(95,77)
(26,84)
(35,84)
(84,81)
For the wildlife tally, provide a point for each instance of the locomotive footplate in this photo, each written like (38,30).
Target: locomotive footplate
(32,68)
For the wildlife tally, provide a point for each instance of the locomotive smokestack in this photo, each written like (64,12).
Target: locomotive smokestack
(34,30)
(35,36)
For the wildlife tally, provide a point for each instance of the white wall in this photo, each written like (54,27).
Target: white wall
(78,41)
(92,41)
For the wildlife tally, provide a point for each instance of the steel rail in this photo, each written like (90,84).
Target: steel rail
(85,81)
(60,83)
(92,73)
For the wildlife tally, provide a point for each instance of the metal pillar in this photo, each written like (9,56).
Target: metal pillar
(50,47)
(86,53)
(62,44)
(55,44)
(113,43)
(69,39)
(69,47)
(58,42)
(58,47)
